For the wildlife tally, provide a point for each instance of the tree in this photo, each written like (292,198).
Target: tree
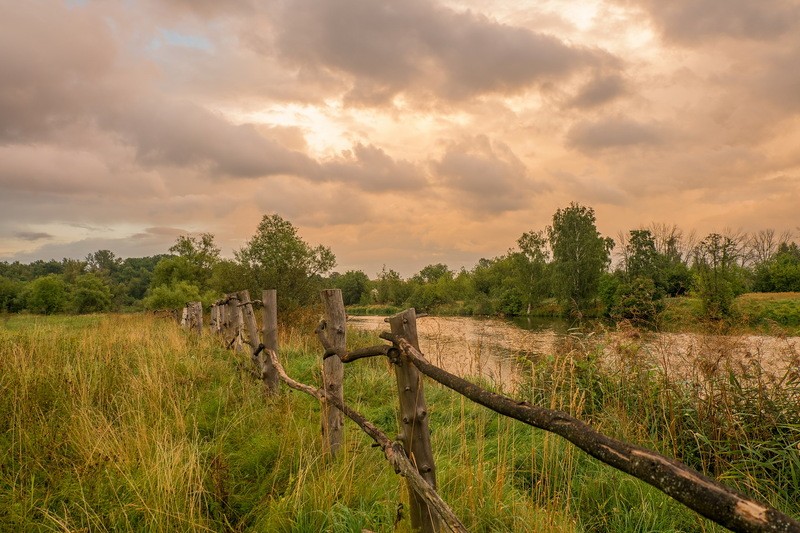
(9,294)
(530,267)
(103,261)
(277,258)
(91,294)
(715,265)
(172,296)
(354,285)
(47,295)
(580,255)
(200,254)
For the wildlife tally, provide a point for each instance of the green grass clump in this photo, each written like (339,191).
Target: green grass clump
(766,310)
(128,423)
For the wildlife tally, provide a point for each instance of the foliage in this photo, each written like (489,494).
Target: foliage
(580,255)
(200,255)
(781,272)
(10,293)
(638,301)
(277,258)
(172,296)
(91,294)
(354,284)
(715,267)
(47,295)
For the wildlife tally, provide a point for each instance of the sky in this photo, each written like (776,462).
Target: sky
(396,133)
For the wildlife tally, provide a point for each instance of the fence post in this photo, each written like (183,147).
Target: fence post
(235,320)
(192,317)
(333,369)
(249,321)
(269,374)
(414,432)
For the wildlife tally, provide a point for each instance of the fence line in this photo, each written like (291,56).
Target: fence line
(414,460)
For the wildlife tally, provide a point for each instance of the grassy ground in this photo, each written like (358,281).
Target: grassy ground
(773,313)
(125,423)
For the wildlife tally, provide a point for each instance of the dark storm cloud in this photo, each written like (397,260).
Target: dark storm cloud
(612,132)
(486,176)
(33,236)
(600,90)
(52,65)
(371,169)
(417,46)
(184,134)
(693,21)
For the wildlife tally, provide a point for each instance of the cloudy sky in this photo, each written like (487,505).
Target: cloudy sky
(398,133)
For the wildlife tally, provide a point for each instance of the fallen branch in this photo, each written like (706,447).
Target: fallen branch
(393,451)
(704,495)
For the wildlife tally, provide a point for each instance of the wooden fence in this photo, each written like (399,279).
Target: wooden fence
(233,318)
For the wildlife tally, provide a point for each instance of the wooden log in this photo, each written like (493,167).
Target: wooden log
(414,432)
(269,335)
(393,452)
(333,370)
(696,491)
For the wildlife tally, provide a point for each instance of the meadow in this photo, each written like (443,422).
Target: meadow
(127,423)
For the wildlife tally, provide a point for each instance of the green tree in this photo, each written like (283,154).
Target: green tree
(781,272)
(277,258)
(580,256)
(91,294)
(354,285)
(530,268)
(10,291)
(200,254)
(47,295)
(173,296)
(715,264)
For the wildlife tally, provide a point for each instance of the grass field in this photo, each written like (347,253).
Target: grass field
(125,423)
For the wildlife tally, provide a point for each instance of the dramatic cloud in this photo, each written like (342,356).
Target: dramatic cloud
(693,21)
(486,177)
(420,47)
(612,132)
(125,124)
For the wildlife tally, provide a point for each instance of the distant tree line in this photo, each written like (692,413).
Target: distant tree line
(567,267)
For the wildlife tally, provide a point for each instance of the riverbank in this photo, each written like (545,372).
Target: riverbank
(757,313)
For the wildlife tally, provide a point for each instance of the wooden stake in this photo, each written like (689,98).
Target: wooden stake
(270,335)
(414,432)
(333,369)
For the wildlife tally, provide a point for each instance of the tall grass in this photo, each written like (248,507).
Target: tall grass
(126,423)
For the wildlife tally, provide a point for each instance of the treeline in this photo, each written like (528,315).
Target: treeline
(567,267)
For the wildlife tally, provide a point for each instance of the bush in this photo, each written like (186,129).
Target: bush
(47,295)
(638,301)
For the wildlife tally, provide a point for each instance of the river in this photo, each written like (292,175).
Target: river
(491,348)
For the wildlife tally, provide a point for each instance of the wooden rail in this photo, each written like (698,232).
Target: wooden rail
(414,459)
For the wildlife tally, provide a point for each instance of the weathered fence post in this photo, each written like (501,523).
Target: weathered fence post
(235,320)
(333,368)
(249,319)
(414,432)
(269,374)
(192,317)
(213,323)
